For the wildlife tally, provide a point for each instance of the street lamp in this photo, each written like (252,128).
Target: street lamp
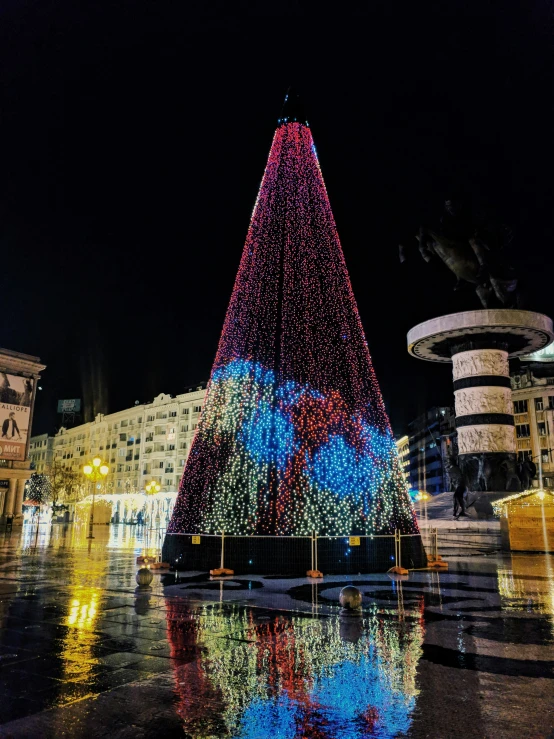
(94,472)
(152,488)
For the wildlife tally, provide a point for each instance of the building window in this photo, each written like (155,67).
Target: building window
(182,462)
(545,456)
(171,447)
(160,465)
(120,468)
(172,414)
(539,405)
(194,426)
(541,426)
(122,437)
(523,431)
(551,402)
(184,428)
(197,409)
(139,419)
(185,411)
(520,406)
(121,452)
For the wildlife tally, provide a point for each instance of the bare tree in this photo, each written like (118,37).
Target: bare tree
(65,485)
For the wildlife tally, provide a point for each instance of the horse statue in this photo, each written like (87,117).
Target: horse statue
(471,250)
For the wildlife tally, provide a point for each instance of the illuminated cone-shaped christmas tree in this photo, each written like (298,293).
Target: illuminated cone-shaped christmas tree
(294,437)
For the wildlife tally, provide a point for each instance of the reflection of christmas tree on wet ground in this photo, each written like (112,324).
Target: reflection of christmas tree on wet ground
(294,436)
(247,674)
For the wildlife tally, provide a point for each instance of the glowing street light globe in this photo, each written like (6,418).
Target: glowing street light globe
(152,487)
(104,469)
(96,462)
(87,469)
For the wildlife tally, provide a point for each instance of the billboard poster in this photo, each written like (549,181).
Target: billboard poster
(16,397)
(69,406)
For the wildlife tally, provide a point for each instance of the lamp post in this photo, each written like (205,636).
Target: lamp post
(152,488)
(94,472)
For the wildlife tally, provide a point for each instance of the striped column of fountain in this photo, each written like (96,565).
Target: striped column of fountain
(483,400)
(479,344)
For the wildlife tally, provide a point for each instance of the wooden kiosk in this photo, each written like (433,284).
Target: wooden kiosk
(527,521)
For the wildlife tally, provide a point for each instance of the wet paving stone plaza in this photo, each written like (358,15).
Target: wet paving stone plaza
(468,652)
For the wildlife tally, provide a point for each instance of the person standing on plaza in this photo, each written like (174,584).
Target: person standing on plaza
(459,504)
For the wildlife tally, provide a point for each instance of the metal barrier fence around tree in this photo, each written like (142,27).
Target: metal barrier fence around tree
(287,555)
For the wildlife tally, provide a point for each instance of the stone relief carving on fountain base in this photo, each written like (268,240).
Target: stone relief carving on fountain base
(486,438)
(480,362)
(483,400)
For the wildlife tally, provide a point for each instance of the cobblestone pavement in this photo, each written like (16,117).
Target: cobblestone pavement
(468,653)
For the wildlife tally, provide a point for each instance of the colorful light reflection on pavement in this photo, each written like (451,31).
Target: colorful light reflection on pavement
(296,676)
(465,653)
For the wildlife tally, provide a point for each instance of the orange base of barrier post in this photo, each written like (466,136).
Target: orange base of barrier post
(159,566)
(221,571)
(438,563)
(314,573)
(399,570)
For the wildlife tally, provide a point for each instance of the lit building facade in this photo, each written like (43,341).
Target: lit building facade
(140,444)
(533,398)
(19,375)
(41,453)
(403,446)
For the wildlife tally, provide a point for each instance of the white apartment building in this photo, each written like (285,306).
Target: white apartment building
(41,452)
(143,443)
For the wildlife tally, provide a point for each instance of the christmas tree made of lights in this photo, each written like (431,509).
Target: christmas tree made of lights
(293,437)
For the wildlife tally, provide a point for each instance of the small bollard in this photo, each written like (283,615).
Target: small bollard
(350,599)
(144,578)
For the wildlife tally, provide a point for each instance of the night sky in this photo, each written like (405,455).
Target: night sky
(134,136)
